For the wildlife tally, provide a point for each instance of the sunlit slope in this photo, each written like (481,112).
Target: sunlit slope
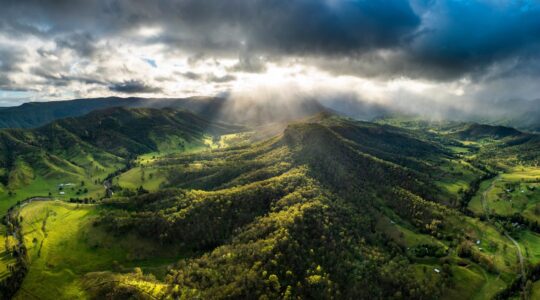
(70,158)
(63,246)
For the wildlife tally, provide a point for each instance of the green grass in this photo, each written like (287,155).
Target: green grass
(42,187)
(516,191)
(5,256)
(150,178)
(522,172)
(227,140)
(207,143)
(404,235)
(475,205)
(154,176)
(457,175)
(63,246)
(472,282)
(469,281)
(459,149)
(493,244)
(535,291)
(530,245)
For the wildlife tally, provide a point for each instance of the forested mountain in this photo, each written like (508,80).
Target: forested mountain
(35,114)
(252,149)
(100,139)
(480,131)
(296,215)
(519,149)
(331,207)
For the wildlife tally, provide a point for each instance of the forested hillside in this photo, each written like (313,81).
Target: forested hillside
(299,215)
(99,140)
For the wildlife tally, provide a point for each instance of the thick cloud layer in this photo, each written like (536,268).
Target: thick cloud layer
(311,26)
(78,48)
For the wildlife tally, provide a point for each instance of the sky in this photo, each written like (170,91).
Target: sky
(421,55)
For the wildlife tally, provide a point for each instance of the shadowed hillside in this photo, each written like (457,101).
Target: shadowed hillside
(479,131)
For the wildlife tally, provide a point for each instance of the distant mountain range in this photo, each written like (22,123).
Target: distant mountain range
(34,114)
(524,115)
(245,111)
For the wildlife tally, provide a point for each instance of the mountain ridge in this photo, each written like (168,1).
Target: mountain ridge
(111,135)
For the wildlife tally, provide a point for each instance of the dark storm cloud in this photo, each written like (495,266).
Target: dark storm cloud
(59,79)
(247,62)
(301,26)
(82,43)
(5,82)
(10,59)
(467,36)
(133,87)
(417,38)
(312,26)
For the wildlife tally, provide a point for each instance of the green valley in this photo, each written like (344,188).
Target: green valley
(163,204)
(270,150)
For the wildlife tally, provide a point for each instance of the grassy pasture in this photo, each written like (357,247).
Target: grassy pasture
(5,256)
(530,245)
(50,186)
(535,291)
(516,191)
(63,246)
(473,282)
(475,205)
(469,280)
(457,176)
(150,178)
(403,235)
